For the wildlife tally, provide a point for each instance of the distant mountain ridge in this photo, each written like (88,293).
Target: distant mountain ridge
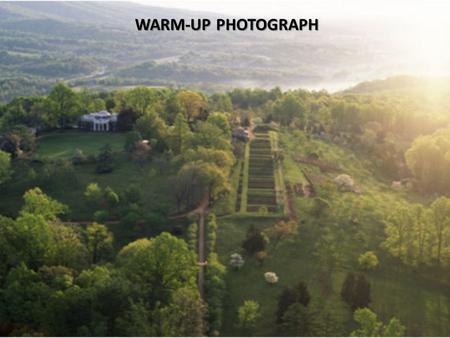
(88,12)
(96,44)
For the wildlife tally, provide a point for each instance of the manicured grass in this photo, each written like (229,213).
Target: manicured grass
(62,144)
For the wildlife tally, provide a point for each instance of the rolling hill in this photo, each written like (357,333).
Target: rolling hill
(96,44)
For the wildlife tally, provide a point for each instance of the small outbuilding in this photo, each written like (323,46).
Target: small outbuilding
(241,134)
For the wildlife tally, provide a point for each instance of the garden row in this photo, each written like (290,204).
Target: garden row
(261,183)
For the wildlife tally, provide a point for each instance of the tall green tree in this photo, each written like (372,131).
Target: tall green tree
(287,108)
(191,103)
(440,213)
(65,104)
(99,242)
(370,326)
(38,203)
(160,266)
(5,166)
(297,321)
(220,120)
(180,135)
(248,313)
(185,316)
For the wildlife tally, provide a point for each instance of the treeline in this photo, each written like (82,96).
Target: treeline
(65,280)
(381,127)
(420,236)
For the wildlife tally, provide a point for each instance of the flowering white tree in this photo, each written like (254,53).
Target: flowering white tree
(271,277)
(236,261)
(344,182)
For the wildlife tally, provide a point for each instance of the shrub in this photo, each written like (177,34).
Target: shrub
(255,241)
(101,215)
(105,160)
(79,157)
(211,232)
(344,182)
(368,260)
(215,293)
(94,194)
(261,256)
(156,218)
(192,236)
(271,277)
(236,261)
(104,168)
(248,314)
(131,218)
(111,197)
(132,194)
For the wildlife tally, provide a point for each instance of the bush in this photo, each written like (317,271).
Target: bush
(255,241)
(104,168)
(215,293)
(211,232)
(131,218)
(263,211)
(105,160)
(236,261)
(271,277)
(156,218)
(261,256)
(192,236)
(101,216)
(368,260)
(344,182)
(132,194)
(79,157)
(111,197)
(94,194)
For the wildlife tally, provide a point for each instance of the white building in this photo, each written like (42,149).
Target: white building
(99,121)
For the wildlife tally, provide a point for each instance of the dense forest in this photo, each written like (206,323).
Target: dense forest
(330,207)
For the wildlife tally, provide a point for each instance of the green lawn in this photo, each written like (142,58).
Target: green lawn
(152,179)
(63,144)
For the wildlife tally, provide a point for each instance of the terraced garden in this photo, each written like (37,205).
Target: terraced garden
(257,186)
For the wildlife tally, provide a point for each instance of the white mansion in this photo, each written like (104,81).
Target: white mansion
(99,121)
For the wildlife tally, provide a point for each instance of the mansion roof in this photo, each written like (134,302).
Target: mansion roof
(101,116)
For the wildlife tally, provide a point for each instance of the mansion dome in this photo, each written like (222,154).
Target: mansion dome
(99,121)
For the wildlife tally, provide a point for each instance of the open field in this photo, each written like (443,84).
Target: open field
(63,144)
